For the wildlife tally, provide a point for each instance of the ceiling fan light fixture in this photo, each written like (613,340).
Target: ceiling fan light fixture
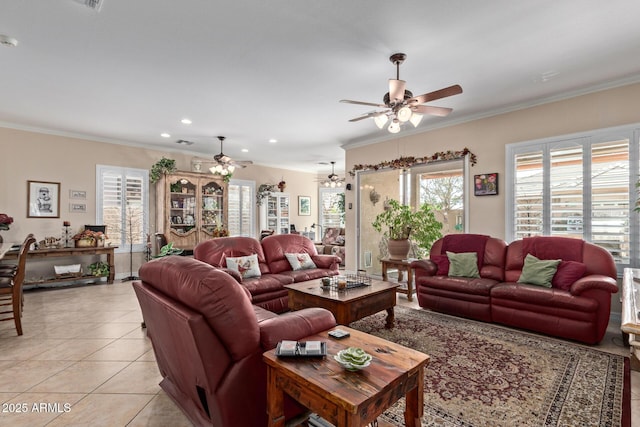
(415,119)
(394,127)
(404,114)
(380,120)
(231,168)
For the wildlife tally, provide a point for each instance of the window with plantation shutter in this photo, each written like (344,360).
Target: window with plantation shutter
(331,212)
(123,206)
(581,186)
(241,208)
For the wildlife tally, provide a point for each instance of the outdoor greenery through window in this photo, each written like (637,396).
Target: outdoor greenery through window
(331,208)
(580,187)
(122,205)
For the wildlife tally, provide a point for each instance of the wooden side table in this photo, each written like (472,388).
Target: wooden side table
(348,399)
(402,266)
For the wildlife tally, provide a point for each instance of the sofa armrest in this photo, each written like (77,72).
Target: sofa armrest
(232,273)
(424,267)
(295,325)
(594,281)
(326,261)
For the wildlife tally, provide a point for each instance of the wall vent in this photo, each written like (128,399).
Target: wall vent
(93,4)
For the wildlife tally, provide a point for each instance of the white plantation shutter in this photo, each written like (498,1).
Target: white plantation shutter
(241,208)
(330,213)
(122,201)
(580,187)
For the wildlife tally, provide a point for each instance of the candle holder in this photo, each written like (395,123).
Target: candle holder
(67,237)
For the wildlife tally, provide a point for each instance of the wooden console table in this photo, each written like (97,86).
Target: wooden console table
(631,313)
(402,266)
(68,252)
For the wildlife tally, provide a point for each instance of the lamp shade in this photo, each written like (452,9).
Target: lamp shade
(394,127)
(381,120)
(415,119)
(404,114)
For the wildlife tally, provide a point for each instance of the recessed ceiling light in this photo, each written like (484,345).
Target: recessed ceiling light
(185,121)
(244,150)
(165,135)
(273,141)
(8,41)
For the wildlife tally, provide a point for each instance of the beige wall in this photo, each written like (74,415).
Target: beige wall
(72,162)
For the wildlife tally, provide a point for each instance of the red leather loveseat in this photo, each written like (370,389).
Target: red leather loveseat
(577,305)
(267,290)
(208,340)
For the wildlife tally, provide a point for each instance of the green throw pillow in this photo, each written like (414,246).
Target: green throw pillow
(538,272)
(464,264)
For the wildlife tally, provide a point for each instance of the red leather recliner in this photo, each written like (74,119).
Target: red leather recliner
(208,340)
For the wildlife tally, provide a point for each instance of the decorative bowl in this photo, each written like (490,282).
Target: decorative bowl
(353,358)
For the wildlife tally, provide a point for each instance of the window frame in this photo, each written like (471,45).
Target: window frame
(252,189)
(586,139)
(123,172)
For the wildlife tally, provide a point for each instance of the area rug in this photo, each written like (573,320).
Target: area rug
(487,375)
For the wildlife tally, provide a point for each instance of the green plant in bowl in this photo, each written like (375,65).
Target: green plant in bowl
(353,358)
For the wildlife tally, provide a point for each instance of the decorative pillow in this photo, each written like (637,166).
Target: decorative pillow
(330,236)
(442,261)
(464,264)
(537,271)
(301,261)
(568,272)
(340,240)
(247,266)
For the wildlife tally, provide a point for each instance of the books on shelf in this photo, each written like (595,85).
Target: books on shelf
(287,348)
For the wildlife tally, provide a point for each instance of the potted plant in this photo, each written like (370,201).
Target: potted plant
(163,166)
(402,224)
(99,269)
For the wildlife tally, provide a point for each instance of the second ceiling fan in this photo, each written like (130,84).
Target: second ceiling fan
(401,106)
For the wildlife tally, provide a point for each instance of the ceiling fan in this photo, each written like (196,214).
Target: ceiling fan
(221,163)
(401,106)
(332,180)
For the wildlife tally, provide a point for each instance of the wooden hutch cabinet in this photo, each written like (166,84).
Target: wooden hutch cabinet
(192,208)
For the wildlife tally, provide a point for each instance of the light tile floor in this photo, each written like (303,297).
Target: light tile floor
(84,361)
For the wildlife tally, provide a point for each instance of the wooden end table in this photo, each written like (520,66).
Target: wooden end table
(402,266)
(348,399)
(346,305)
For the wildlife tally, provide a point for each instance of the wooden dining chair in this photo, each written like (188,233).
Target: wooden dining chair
(11,288)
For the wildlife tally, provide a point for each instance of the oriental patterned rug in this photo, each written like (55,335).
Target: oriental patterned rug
(487,375)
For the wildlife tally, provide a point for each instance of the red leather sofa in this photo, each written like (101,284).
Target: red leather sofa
(208,340)
(267,291)
(576,308)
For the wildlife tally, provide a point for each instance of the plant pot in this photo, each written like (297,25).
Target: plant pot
(399,248)
(85,243)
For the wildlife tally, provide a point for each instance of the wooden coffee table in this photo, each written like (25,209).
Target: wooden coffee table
(346,305)
(348,398)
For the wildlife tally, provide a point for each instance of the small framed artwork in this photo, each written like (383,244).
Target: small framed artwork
(77,194)
(77,207)
(304,205)
(485,184)
(43,199)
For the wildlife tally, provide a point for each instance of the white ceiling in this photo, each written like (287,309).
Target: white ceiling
(254,70)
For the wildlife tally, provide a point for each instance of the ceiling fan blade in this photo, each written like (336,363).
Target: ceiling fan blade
(366,116)
(438,94)
(434,111)
(396,90)
(348,101)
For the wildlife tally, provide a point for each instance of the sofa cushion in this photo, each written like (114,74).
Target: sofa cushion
(442,261)
(547,299)
(330,236)
(215,251)
(568,273)
(538,272)
(303,275)
(462,285)
(267,283)
(301,261)
(247,266)
(464,264)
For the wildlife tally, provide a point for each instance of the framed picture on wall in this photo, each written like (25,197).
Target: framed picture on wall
(43,199)
(485,184)
(304,205)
